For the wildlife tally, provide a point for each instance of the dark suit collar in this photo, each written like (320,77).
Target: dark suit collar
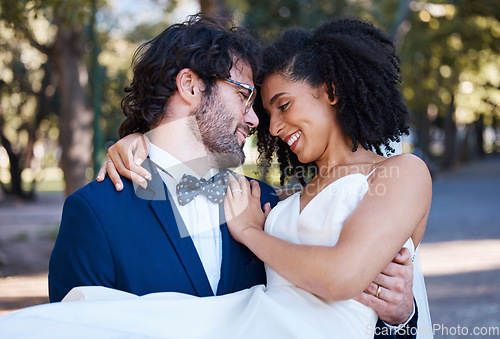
(175,229)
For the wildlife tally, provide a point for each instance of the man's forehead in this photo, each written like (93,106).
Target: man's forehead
(241,71)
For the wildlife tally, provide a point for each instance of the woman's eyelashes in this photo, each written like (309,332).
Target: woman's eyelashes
(284,106)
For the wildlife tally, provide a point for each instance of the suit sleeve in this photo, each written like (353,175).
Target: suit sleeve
(409,331)
(81,254)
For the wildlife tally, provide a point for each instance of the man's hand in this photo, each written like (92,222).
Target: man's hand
(390,294)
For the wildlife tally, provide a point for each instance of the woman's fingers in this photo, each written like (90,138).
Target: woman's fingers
(141,149)
(139,170)
(128,154)
(267,209)
(246,192)
(126,168)
(246,188)
(255,189)
(231,204)
(113,175)
(138,174)
(244,184)
(233,186)
(102,174)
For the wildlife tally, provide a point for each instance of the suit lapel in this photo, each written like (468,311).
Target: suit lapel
(176,231)
(230,258)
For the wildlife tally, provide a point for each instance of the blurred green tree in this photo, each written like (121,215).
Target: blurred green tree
(84,61)
(450,58)
(27,111)
(65,51)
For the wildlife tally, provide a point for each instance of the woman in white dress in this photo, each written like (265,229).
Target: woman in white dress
(329,101)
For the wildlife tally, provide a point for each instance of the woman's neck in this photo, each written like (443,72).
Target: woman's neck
(343,157)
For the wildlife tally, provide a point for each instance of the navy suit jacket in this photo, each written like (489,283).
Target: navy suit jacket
(135,241)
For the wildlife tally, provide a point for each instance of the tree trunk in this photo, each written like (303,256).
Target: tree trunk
(42,111)
(450,136)
(464,149)
(479,130)
(425,127)
(424,124)
(75,113)
(14,160)
(15,167)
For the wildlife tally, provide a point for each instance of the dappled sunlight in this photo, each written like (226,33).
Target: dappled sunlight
(455,257)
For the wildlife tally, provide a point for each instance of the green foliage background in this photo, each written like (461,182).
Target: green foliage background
(449,50)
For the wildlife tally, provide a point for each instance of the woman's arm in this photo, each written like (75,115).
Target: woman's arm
(125,158)
(395,207)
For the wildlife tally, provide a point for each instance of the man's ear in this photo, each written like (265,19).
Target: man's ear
(190,87)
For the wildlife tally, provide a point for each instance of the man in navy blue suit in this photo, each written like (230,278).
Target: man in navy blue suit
(192,91)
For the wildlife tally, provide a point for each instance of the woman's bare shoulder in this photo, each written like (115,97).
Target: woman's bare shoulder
(405,173)
(405,164)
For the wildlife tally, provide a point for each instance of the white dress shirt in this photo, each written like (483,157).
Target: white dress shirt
(201,216)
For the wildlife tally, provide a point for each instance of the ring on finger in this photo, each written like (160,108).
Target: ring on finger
(379,288)
(237,190)
(109,160)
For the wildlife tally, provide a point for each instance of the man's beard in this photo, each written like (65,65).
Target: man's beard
(215,125)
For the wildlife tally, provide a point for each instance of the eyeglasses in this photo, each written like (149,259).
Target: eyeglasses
(250,97)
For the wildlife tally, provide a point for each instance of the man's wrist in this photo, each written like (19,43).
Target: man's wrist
(396,328)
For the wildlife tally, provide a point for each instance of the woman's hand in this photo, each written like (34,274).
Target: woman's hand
(242,207)
(125,157)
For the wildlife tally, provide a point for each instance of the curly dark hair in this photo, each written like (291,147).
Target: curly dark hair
(359,65)
(207,44)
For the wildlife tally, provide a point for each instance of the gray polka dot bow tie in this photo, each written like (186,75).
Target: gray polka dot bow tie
(190,187)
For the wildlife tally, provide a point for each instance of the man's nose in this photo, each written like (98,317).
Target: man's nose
(250,118)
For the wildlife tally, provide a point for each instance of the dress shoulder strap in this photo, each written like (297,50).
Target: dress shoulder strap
(373,170)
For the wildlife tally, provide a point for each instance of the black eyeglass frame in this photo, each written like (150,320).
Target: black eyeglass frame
(251,97)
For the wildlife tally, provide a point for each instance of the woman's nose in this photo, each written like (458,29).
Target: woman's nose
(275,125)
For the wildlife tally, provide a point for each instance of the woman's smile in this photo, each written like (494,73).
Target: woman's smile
(293,139)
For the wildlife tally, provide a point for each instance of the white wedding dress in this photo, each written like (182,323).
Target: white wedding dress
(279,310)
